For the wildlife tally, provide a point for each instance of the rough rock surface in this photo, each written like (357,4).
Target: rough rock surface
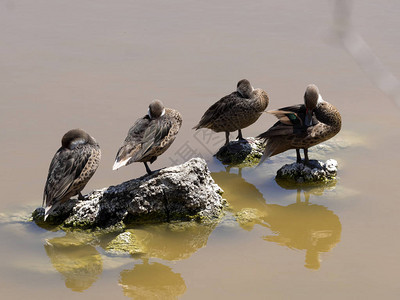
(183,192)
(245,153)
(315,172)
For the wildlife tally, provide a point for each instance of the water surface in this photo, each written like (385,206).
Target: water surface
(97,65)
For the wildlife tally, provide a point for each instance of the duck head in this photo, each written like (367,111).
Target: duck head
(76,137)
(311,98)
(156,109)
(244,88)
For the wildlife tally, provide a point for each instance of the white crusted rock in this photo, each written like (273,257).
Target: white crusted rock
(315,172)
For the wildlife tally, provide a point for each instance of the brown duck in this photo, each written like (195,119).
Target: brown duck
(150,136)
(302,126)
(71,168)
(235,111)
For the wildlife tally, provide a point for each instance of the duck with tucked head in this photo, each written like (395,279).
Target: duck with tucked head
(150,136)
(71,168)
(302,126)
(235,111)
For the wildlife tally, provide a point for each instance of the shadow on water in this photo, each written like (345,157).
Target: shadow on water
(301,225)
(152,281)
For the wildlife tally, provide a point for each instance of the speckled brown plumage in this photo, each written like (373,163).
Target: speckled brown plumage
(71,168)
(235,111)
(302,126)
(150,136)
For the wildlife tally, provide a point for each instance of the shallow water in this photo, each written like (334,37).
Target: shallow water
(97,65)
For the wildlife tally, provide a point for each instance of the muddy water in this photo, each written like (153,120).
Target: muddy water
(97,65)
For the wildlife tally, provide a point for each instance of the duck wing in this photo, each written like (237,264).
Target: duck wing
(298,108)
(291,122)
(153,137)
(65,167)
(278,129)
(287,117)
(132,143)
(218,109)
(291,115)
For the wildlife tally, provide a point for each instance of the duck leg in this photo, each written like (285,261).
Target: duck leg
(306,197)
(240,136)
(298,160)
(306,160)
(149,172)
(227,138)
(298,196)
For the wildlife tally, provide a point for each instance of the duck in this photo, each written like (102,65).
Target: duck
(150,136)
(71,168)
(301,126)
(235,111)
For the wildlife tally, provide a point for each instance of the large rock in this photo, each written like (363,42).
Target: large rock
(183,192)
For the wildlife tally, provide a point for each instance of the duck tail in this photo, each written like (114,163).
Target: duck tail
(120,163)
(266,153)
(272,148)
(47,211)
(263,158)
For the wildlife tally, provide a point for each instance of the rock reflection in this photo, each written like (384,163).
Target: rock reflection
(152,281)
(301,225)
(80,264)
(171,241)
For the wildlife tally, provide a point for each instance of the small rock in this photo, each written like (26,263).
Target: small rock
(316,172)
(244,153)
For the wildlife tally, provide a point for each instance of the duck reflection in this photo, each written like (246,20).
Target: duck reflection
(239,193)
(301,225)
(79,263)
(152,281)
(304,226)
(75,257)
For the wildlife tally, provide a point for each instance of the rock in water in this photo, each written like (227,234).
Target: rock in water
(181,193)
(315,172)
(242,153)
